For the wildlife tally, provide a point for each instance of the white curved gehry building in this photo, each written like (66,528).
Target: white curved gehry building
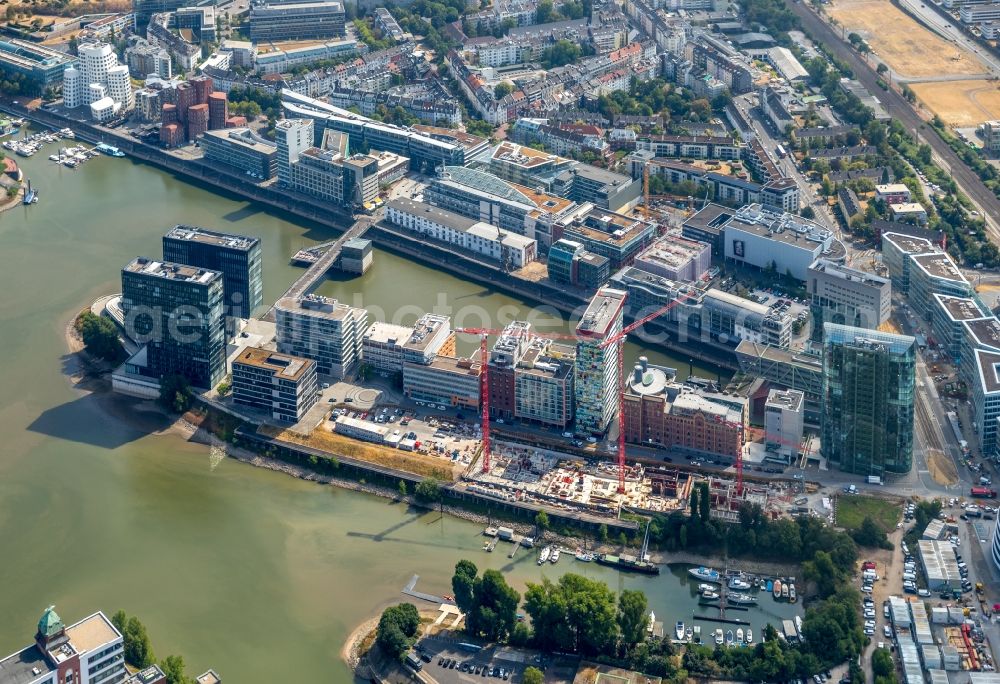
(97,76)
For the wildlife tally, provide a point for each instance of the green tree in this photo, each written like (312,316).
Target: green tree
(463,584)
(542,521)
(502,90)
(559,54)
(175,393)
(822,571)
(575,614)
(495,607)
(870,535)
(602,533)
(173,668)
(402,489)
(694,502)
(396,629)
(532,675)
(705,503)
(882,665)
(633,618)
(99,335)
(428,490)
(137,648)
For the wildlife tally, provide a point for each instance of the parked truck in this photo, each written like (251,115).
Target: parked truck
(874,480)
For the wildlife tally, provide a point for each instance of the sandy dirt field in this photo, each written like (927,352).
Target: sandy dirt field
(909,48)
(961,103)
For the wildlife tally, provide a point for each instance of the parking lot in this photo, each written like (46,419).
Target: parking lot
(450,661)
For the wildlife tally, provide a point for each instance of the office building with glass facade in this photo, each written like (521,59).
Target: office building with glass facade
(868,396)
(177,312)
(237,257)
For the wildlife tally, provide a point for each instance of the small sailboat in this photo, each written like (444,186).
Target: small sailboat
(543,555)
(554,558)
(679,630)
(738,599)
(710,596)
(729,637)
(702,588)
(739,635)
(718,637)
(688,633)
(583,556)
(769,587)
(791,593)
(784,591)
(777,589)
(749,635)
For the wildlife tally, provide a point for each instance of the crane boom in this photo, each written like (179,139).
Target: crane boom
(618,339)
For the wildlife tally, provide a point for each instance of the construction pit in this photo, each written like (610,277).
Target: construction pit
(528,475)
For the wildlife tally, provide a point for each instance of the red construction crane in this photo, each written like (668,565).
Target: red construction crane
(619,339)
(484,388)
(484,381)
(739,454)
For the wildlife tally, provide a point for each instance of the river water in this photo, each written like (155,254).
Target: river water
(251,572)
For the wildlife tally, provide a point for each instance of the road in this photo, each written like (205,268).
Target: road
(771,140)
(897,106)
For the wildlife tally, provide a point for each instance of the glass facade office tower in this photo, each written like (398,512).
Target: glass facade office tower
(176,311)
(868,394)
(237,257)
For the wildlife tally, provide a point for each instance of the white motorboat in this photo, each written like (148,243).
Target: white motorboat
(544,554)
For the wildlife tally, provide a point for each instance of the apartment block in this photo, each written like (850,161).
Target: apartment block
(324,330)
(283,386)
(596,378)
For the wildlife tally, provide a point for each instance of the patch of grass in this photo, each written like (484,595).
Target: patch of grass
(852,510)
(338,445)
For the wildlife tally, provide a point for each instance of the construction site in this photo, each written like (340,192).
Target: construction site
(529,475)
